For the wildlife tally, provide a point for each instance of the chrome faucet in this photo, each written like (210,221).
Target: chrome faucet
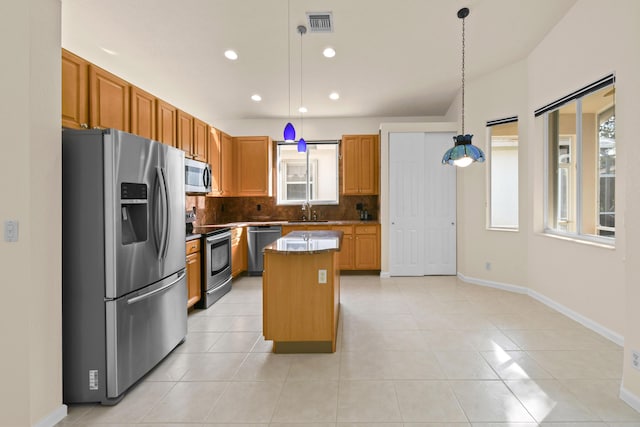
(306,207)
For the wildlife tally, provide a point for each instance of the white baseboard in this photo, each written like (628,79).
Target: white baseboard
(53,418)
(629,398)
(583,320)
(385,275)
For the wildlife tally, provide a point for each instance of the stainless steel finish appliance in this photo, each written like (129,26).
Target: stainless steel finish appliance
(124,290)
(259,237)
(197,177)
(217,265)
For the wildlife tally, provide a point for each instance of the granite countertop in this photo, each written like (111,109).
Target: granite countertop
(295,223)
(306,242)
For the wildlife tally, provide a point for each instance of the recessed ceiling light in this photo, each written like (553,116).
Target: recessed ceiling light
(231,54)
(256,97)
(334,95)
(329,52)
(302,109)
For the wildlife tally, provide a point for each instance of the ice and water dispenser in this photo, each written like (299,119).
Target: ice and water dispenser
(134,211)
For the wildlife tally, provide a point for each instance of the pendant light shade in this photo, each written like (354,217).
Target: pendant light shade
(302,145)
(463,153)
(289,133)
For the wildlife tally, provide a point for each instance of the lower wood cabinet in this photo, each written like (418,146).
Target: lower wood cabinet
(238,251)
(360,248)
(194,276)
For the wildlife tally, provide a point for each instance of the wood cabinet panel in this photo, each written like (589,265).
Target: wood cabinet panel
(367,247)
(185,133)
(214,156)
(143,113)
(194,275)
(238,251)
(167,123)
(75,91)
(346,254)
(360,159)
(109,98)
(200,139)
(226,165)
(252,159)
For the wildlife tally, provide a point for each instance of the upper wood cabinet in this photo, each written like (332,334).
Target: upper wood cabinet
(143,113)
(109,100)
(75,91)
(167,123)
(200,139)
(252,159)
(226,165)
(185,133)
(360,154)
(215,161)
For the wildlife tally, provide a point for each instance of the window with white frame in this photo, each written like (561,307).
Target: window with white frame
(503,173)
(311,176)
(580,163)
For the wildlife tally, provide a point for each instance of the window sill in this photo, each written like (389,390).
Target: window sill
(508,230)
(584,240)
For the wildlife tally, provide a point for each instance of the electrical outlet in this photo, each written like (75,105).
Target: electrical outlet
(322,276)
(487,266)
(11,231)
(635,359)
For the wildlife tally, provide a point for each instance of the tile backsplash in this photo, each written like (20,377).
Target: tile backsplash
(219,210)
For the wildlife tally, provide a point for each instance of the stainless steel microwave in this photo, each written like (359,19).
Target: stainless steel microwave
(197,177)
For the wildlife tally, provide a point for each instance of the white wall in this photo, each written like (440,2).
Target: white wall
(500,94)
(30,307)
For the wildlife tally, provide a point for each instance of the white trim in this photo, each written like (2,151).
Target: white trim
(53,418)
(629,398)
(385,275)
(584,321)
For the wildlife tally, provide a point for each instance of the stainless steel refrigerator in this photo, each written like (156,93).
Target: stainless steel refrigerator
(124,293)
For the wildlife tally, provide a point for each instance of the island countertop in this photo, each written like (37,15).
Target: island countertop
(306,242)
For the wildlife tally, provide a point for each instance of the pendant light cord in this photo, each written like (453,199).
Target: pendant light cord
(300,108)
(289,50)
(463,46)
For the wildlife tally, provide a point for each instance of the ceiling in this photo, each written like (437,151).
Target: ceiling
(394,58)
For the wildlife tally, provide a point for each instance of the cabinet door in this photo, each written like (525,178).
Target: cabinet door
(350,165)
(367,247)
(253,166)
(143,113)
(238,251)
(109,100)
(185,133)
(75,91)
(167,119)
(200,138)
(215,159)
(368,175)
(226,165)
(346,254)
(193,279)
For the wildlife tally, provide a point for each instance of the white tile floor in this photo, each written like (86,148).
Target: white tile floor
(428,351)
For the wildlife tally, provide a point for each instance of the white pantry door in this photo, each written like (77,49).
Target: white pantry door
(422,205)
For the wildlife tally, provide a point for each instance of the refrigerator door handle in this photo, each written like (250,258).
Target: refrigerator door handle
(162,246)
(155,291)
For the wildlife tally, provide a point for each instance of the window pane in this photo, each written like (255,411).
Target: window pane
(581,165)
(311,176)
(504,175)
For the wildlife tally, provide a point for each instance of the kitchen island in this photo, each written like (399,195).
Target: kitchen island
(301,292)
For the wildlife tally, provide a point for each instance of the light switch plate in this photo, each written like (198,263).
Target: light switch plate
(322,276)
(11,231)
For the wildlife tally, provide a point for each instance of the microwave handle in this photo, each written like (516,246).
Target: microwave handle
(206,177)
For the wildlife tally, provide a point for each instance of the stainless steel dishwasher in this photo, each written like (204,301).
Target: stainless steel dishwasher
(259,237)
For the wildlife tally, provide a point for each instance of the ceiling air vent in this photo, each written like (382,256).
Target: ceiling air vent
(320,22)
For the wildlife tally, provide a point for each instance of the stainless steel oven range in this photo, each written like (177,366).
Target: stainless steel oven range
(216,279)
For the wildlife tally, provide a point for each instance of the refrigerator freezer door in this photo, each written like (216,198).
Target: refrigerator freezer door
(142,328)
(141,212)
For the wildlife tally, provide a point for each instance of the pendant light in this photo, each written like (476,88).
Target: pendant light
(302,144)
(463,153)
(289,130)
